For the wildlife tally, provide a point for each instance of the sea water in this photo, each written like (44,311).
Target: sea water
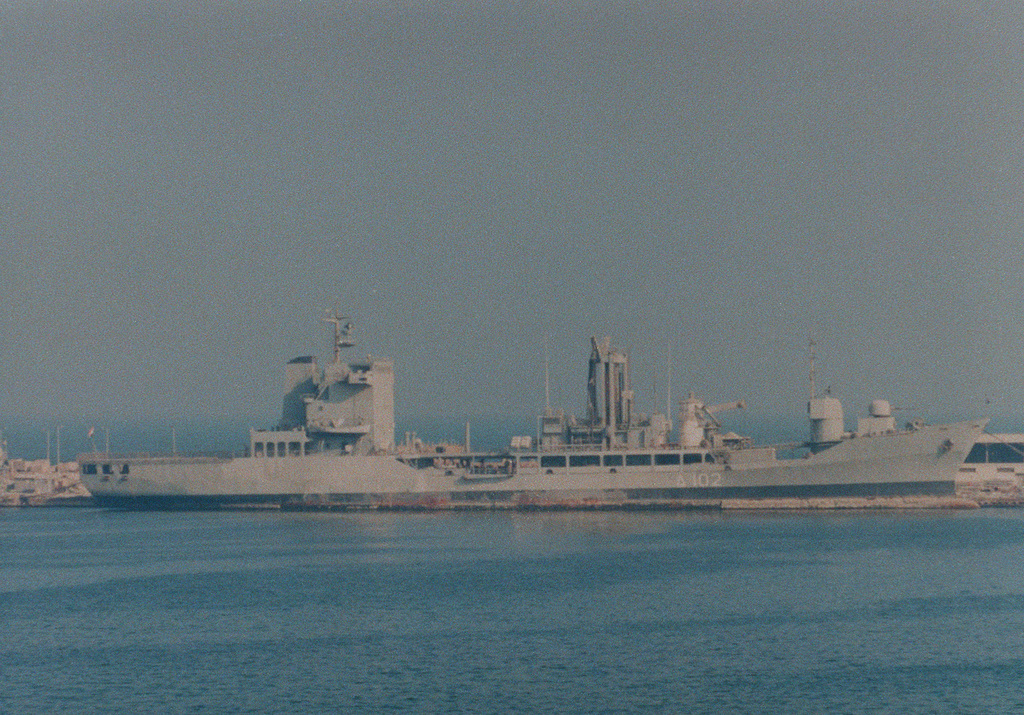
(852,612)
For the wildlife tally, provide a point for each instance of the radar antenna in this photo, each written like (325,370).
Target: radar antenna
(342,332)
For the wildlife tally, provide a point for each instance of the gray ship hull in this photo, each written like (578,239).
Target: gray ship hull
(918,463)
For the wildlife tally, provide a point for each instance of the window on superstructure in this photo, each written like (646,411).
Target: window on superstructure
(552,460)
(585,460)
(613,460)
(693,458)
(666,459)
(108,469)
(1002,452)
(638,460)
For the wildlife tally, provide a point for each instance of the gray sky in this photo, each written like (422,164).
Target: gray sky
(185,189)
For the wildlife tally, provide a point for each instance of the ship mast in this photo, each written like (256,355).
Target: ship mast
(810,348)
(668,388)
(547,381)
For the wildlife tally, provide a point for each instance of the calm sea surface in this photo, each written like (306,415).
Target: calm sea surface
(511,613)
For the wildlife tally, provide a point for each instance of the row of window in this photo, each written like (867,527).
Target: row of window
(93,468)
(560,461)
(660,459)
(279,449)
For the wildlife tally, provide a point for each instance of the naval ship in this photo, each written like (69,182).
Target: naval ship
(335,449)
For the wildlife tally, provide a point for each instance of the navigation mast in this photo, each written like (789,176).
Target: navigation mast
(547,381)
